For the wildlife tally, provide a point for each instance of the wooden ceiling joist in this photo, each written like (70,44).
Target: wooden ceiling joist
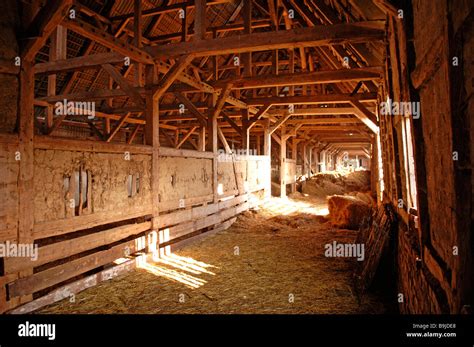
(166,9)
(42,26)
(312,99)
(302,37)
(303,78)
(365,116)
(172,74)
(124,84)
(190,106)
(78,63)
(107,40)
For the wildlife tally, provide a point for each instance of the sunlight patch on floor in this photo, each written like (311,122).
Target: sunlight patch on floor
(179,269)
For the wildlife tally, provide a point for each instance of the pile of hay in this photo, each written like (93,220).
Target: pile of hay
(323,184)
(357,180)
(349,211)
(336,183)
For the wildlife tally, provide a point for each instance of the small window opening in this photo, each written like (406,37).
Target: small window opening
(133,185)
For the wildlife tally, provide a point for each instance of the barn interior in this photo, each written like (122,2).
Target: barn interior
(236,156)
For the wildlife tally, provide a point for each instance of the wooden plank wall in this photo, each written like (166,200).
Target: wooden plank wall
(114,225)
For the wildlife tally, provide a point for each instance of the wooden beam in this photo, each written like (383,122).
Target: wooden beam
(133,134)
(137,23)
(78,63)
(366,116)
(223,140)
(311,99)
(172,75)
(316,111)
(259,115)
(202,86)
(57,122)
(292,132)
(247,16)
(189,105)
(302,37)
(276,138)
(221,100)
(200,20)
(280,122)
(47,19)
(124,84)
(121,122)
(107,40)
(186,136)
(256,24)
(231,122)
(283,163)
(303,78)
(245,129)
(166,9)
(95,130)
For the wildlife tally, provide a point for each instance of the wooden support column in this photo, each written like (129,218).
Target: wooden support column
(305,160)
(316,158)
(184,25)
(247,57)
(283,163)
(259,144)
(310,158)
(267,151)
(275,69)
(137,41)
(245,130)
(200,20)
(294,156)
(291,66)
(211,143)
(323,161)
(152,115)
(57,51)
(202,139)
(26,170)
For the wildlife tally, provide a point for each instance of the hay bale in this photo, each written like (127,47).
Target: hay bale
(347,211)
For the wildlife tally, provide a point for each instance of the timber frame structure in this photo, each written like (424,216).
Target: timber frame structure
(150,89)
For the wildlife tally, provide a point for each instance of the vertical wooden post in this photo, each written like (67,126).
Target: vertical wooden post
(152,138)
(26,168)
(316,158)
(199,20)
(323,161)
(245,130)
(305,160)
(137,28)
(310,158)
(258,144)
(275,68)
(267,151)
(247,57)
(184,25)
(211,144)
(283,163)
(57,51)
(291,66)
(294,149)
(202,139)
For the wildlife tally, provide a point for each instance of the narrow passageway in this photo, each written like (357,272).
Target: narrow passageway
(236,156)
(270,261)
